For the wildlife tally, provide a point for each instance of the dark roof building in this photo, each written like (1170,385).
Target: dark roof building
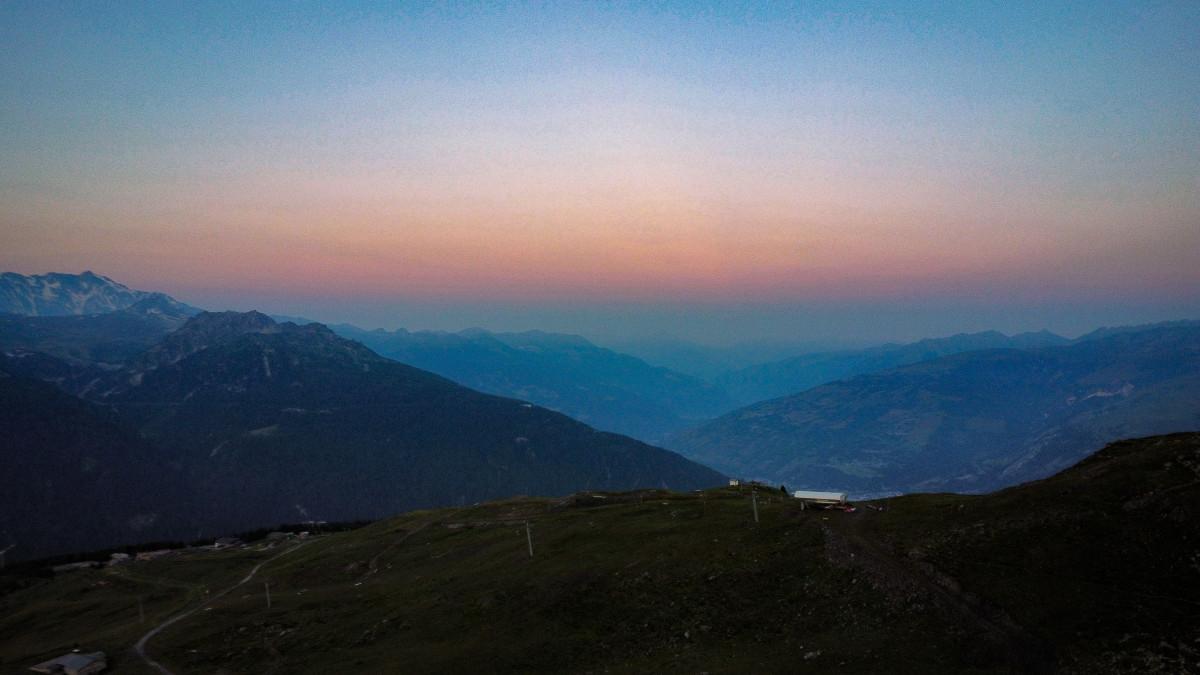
(74,664)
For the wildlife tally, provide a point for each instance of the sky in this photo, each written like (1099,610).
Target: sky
(717,173)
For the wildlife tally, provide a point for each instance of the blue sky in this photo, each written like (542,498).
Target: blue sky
(885,169)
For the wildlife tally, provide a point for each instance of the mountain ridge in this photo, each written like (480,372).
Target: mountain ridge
(59,294)
(106,340)
(967,422)
(779,378)
(271,422)
(606,389)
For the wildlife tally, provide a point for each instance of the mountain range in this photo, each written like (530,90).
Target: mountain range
(58,294)
(265,423)
(789,376)
(284,421)
(274,416)
(970,422)
(710,362)
(107,339)
(608,390)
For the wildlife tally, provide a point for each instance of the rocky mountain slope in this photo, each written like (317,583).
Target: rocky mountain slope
(59,294)
(971,422)
(107,339)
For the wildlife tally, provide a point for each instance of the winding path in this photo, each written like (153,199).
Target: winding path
(373,566)
(140,647)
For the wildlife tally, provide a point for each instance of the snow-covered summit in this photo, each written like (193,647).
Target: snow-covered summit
(57,294)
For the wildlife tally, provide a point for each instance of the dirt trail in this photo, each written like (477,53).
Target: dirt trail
(140,647)
(373,566)
(916,580)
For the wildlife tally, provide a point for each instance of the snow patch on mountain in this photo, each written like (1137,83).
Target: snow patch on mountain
(57,294)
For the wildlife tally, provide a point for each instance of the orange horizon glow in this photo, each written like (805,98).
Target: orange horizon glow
(533,154)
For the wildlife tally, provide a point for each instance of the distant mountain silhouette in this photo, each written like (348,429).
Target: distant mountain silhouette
(265,422)
(59,294)
(711,362)
(970,422)
(797,374)
(610,391)
(111,338)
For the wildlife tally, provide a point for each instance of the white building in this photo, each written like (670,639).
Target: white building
(821,497)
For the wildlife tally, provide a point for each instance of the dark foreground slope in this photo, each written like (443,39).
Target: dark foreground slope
(1100,562)
(971,422)
(1092,571)
(75,478)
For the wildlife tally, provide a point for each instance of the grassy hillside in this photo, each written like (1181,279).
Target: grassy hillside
(1094,570)
(1102,560)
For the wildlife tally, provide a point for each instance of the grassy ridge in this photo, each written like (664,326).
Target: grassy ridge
(1094,570)
(675,582)
(1102,560)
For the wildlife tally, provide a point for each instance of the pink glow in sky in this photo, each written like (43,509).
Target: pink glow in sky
(334,159)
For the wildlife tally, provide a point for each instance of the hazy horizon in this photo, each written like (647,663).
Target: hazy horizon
(716,324)
(867,172)
(721,326)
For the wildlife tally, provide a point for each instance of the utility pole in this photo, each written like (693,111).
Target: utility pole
(529,538)
(754,501)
